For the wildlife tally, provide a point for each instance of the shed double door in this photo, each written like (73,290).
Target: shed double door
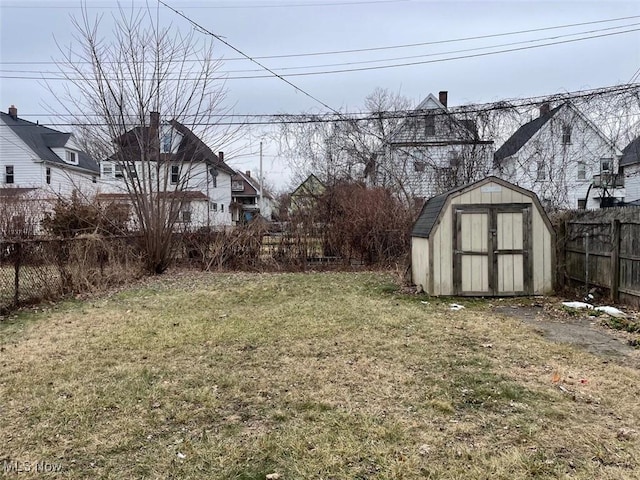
(492,250)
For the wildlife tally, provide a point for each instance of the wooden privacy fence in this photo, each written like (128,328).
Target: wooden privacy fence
(605,254)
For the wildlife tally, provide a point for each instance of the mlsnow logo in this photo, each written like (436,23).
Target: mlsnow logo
(17,466)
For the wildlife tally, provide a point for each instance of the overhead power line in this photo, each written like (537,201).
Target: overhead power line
(237,50)
(284,76)
(362,62)
(336,117)
(388,47)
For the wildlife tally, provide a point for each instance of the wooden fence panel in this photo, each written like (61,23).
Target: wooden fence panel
(605,254)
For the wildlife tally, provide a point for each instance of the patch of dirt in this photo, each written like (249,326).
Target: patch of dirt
(558,325)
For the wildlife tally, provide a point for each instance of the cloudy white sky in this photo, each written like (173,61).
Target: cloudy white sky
(603,51)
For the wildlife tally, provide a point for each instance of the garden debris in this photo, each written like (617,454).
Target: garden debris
(625,434)
(273,476)
(181,456)
(455,307)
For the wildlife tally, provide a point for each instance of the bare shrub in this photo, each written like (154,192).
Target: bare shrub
(369,224)
(75,216)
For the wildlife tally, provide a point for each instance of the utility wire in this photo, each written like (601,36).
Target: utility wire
(281,69)
(220,39)
(389,47)
(284,76)
(336,117)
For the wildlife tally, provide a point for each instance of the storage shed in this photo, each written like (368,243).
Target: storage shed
(489,238)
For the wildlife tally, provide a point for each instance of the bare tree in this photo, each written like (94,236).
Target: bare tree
(343,147)
(137,97)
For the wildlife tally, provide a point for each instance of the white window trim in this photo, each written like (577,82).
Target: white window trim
(71,157)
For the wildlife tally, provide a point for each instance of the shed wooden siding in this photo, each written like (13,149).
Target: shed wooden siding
(490,193)
(420,259)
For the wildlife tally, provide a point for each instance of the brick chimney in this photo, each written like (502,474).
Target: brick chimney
(154,119)
(221,156)
(544,109)
(248,173)
(13,112)
(442,97)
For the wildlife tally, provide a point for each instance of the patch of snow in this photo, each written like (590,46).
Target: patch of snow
(612,311)
(576,305)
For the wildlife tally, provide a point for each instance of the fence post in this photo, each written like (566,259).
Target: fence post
(16,281)
(586,262)
(615,260)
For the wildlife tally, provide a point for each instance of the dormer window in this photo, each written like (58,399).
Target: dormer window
(71,157)
(165,143)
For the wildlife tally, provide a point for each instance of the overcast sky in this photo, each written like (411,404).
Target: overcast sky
(30,29)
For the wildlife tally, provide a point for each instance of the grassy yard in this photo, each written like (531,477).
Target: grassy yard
(311,376)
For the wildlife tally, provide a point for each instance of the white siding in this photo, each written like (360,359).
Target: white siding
(632,182)
(560,186)
(30,171)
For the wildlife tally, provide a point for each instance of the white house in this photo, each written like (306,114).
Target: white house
(248,199)
(564,158)
(178,166)
(431,151)
(33,156)
(630,166)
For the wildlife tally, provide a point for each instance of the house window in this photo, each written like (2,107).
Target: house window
(118,171)
(419,166)
(71,157)
(605,165)
(582,203)
(222,207)
(566,134)
(175,174)
(107,169)
(541,173)
(8,174)
(582,171)
(454,158)
(165,144)
(186,216)
(237,186)
(213,206)
(48,175)
(429,125)
(131,171)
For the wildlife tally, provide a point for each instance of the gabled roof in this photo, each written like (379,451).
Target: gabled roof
(523,135)
(191,147)
(631,153)
(462,130)
(433,208)
(41,140)
(310,187)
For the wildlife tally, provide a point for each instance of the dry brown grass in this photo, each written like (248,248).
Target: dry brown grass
(327,376)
